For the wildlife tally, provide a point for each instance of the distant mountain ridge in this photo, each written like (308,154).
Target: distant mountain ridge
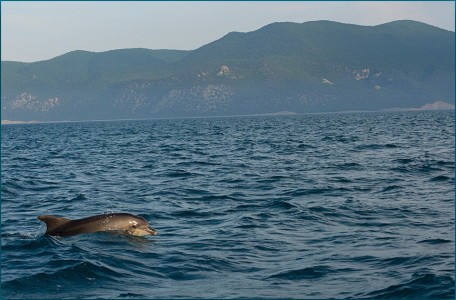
(309,67)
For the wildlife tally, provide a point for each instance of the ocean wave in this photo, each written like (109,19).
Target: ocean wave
(80,273)
(289,207)
(441,178)
(420,286)
(435,241)
(131,296)
(314,272)
(316,191)
(377,146)
(30,185)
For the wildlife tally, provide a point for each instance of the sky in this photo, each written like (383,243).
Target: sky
(40,30)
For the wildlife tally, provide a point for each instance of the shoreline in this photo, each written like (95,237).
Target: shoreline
(283,113)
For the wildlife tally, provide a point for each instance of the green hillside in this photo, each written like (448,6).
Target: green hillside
(303,49)
(308,67)
(83,68)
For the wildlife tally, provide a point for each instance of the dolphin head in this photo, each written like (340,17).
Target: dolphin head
(138,226)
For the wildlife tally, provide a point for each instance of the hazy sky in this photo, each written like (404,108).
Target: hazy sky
(32,31)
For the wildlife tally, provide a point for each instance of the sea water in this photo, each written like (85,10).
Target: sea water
(355,205)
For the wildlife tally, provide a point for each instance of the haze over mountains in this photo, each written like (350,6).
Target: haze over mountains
(310,67)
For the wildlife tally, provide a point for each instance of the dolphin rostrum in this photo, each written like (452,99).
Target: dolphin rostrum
(114,222)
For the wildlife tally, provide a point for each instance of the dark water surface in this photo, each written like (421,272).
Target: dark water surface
(309,206)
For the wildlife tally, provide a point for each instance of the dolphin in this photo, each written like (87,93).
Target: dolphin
(112,222)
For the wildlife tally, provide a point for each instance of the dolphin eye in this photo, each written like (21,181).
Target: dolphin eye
(133,224)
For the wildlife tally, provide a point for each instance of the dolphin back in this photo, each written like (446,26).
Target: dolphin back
(53,222)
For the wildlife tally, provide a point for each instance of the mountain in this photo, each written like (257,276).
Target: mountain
(310,67)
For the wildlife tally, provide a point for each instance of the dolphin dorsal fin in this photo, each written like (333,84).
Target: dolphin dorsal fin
(52,222)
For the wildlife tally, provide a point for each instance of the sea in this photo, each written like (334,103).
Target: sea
(311,206)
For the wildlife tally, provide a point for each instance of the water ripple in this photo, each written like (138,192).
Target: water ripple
(335,206)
